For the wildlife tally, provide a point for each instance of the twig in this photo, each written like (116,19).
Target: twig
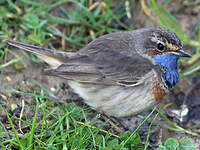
(20,117)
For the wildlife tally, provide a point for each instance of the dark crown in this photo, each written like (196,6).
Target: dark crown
(161,41)
(169,37)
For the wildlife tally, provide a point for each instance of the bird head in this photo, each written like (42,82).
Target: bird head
(163,41)
(164,47)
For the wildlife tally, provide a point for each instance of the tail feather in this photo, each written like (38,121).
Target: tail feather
(31,48)
(53,57)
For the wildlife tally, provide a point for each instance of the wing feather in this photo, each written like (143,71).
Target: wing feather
(105,61)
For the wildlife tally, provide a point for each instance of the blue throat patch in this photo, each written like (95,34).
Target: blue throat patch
(170,63)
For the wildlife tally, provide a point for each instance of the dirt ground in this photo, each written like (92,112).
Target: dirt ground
(184,97)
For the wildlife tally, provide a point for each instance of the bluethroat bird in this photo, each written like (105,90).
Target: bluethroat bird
(119,74)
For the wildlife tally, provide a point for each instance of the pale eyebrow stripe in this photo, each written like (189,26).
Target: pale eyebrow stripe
(172,47)
(167,44)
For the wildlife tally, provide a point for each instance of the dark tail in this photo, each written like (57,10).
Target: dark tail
(52,57)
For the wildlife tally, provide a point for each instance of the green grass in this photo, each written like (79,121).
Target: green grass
(63,128)
(56,126)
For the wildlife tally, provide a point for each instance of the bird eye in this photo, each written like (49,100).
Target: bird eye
(160,46)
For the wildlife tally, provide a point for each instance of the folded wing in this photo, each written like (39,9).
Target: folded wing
(107,60)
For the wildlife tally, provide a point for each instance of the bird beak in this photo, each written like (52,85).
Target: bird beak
(180,53)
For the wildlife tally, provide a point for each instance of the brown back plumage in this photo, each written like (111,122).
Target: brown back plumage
(108,60)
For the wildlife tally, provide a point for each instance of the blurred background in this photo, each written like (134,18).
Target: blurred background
(43,113)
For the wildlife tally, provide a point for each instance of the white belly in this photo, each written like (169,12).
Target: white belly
(118,101)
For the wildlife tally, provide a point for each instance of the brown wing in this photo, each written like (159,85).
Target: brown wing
(107,60)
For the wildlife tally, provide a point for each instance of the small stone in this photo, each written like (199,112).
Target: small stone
(53,89)
(8,79)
